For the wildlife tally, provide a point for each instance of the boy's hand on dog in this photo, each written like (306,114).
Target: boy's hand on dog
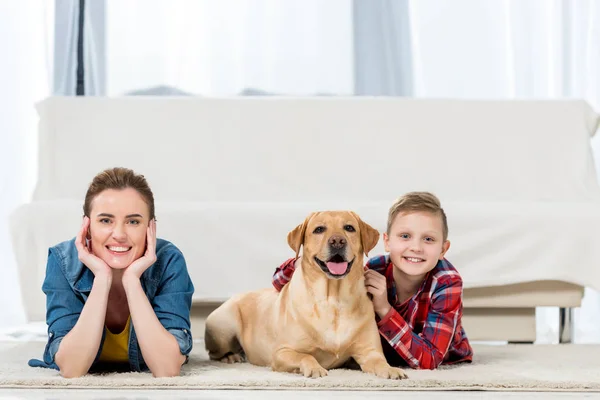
(377,286)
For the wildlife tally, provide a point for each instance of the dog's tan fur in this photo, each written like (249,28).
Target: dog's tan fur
(317,321)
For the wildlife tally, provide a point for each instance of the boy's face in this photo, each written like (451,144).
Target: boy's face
(416,242)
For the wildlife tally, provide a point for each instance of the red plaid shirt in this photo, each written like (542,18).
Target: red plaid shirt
(424,331)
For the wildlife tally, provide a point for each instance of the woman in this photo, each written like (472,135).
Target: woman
(115,294)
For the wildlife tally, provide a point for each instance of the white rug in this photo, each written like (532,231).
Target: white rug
(512,367)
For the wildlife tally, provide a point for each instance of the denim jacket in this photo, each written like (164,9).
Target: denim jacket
(68,284)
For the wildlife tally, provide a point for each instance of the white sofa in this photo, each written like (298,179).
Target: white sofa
(232,176)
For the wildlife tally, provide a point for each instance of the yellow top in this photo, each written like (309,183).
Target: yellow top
(116,345)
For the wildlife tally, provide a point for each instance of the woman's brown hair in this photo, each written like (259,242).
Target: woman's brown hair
(118,179)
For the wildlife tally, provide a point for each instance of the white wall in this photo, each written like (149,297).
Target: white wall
(24,79)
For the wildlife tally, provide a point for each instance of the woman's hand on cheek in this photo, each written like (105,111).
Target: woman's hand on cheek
(137,268)
(94,264)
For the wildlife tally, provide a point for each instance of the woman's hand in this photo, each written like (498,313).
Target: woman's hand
(376,285)
(137,268)
(95,264)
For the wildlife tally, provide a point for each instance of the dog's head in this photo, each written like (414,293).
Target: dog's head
(333,240)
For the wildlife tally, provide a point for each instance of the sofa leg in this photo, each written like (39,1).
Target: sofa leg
(520,342)
(566,326)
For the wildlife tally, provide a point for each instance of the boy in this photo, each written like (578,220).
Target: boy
(416,292)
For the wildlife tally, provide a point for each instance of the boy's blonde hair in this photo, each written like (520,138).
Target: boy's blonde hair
(418,201)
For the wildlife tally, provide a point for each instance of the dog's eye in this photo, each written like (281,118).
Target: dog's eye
(319,229)
(349,228)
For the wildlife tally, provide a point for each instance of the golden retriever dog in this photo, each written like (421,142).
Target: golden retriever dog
(321,319)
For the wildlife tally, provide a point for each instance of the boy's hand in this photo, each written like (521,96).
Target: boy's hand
(377,286)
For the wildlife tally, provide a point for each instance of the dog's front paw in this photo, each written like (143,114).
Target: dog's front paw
(390,373)
(232,358)
(312,369)
(316,372)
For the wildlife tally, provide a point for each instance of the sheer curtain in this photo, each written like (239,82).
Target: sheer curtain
(25,75)
(382,48)
(225,47)
(513,49)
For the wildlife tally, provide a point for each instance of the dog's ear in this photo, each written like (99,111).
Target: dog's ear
(369,236)
(296,237)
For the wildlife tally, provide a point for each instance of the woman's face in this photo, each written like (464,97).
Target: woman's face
(118,223)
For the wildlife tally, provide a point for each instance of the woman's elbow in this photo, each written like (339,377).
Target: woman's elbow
(71,372)
(169,369)
(68,369)
(168,372)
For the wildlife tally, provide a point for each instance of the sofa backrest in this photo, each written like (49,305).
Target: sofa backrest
(321,149)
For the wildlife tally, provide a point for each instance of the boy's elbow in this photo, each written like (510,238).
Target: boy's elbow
(431,364)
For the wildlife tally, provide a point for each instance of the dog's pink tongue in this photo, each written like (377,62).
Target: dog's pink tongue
(337,268)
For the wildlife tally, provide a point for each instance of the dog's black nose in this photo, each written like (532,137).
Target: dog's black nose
(337,242)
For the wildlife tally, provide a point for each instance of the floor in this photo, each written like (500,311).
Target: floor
(36,331)
(131,394)
(56,394)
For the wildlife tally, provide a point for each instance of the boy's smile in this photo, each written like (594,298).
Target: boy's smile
(413,259)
